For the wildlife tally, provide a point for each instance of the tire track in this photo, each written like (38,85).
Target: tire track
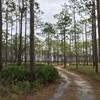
(84,89)
(61,88)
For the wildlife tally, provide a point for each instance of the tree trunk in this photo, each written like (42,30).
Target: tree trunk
(57,49)
(25,36)
(20,38)
(94,40)
(11,56)
(16,41)
(32,37)
(75,36)
(98,18)
(6,60)
(64,49)
(86,54)
(0,35)
(48,53)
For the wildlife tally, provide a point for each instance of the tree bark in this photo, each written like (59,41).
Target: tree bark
(16,41)
(11,56)
(98,18)
(25,36)
(75,36)
(86,54)
(20,37)
(64,49)
(32,37)
(94,39)
(0,35)
(6,60)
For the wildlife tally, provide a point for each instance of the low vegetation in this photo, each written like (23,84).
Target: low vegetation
(15,80)
(86,70)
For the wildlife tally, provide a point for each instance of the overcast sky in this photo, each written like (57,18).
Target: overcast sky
(50,8)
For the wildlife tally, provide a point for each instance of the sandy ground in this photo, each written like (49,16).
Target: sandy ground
(83,89)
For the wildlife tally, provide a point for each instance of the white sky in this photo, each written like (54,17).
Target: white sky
(50,8)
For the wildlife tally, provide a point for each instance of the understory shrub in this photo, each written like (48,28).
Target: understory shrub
(46,74)
(14,74)
(18,78)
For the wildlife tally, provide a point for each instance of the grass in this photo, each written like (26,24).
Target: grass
(86,70)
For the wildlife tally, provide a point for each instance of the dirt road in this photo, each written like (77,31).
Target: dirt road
(74,84)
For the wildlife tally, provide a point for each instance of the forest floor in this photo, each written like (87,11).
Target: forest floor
(42,94)
(74,85)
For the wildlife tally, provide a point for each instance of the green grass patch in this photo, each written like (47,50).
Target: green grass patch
(86,70)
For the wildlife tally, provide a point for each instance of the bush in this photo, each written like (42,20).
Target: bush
(46,74)
(12,74)
(18,78)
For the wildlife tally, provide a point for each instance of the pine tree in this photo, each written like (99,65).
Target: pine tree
(1,35)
